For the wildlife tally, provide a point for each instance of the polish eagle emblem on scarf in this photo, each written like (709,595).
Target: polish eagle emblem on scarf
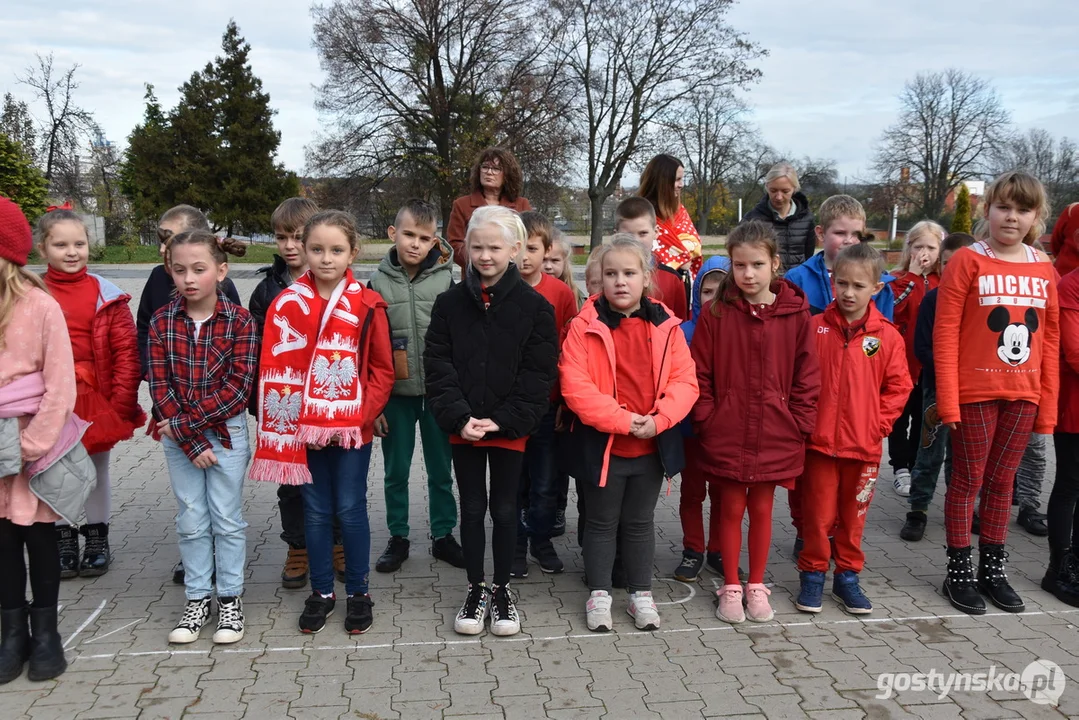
(283,409)
(332,375)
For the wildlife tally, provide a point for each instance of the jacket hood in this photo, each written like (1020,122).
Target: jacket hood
(801,204)
(873,322)
(438,260)
(496,292)
(108,291)
(716,263)
(655,313)
(790,298)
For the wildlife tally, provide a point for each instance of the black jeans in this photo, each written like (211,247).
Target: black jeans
(470,466)
(39,540)
(1064,500)
(903,442)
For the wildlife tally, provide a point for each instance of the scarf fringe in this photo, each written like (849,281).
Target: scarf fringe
(348,438)
(281,473)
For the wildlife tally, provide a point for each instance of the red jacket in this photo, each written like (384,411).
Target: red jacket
(864,384)
(463,207)
(1068,410)
(759,383)
(117,368)
(1065,240)
(587,371)
(909,290)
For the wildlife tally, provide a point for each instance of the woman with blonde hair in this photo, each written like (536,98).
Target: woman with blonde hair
(786,208)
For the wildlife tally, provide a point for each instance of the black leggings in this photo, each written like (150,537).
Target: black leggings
(470,467)
(40,542)
(1063,510)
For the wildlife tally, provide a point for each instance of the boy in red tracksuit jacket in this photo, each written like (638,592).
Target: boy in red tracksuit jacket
(864,386)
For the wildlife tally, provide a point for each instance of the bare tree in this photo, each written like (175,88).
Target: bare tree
(418,88)
(950,125)
(631,61)
(65,127)
(713,137)
(1055,163)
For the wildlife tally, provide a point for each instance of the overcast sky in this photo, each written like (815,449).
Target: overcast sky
(834,69)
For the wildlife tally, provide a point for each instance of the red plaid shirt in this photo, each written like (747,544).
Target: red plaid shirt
(199,384)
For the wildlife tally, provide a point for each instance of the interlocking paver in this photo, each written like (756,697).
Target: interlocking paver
(412,665)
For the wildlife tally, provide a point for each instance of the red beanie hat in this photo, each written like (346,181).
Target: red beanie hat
(16,239)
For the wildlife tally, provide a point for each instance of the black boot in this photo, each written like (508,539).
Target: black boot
(96,555)
(1065,580)
(67,538)
(959,586)
(395,555)
(993,581)
(46,649)
(914,528)
(14,643)
(1049,580)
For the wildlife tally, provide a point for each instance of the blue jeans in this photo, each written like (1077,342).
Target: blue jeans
(540,477)
(339,488)
(934,450)
(209,524)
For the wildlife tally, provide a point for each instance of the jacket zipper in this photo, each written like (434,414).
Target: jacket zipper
(838,416)
(415,332)
(662,362)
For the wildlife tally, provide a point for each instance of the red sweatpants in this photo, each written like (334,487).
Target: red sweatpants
(695,487)
(836,493)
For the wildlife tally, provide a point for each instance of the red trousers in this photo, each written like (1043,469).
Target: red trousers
(691,504)
(836,493)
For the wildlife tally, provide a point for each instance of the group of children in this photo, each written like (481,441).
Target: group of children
(755,381)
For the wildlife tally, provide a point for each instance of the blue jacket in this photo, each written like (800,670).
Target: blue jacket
(712,264)
(923,338)
(812,277)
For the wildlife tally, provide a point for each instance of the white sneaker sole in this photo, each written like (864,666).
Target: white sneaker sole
(469,627)
(732,620)
(505,629)
(768,618)
(809,608)
(850,610)
(183,637)
(602,626)
(227,637)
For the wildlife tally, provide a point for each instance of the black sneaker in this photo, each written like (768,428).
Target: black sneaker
(504,619)
(1033,522)
(559,527)
(315,611)
(547,557)
(196,615)
(395,555)
(473,613)
(96,555)
(975,525)
(914,528)
(359,617)
(178,573)
(690,567)
(447,549)
(230,621)
(714,561)
(67,540)
(799,543)
(519,568)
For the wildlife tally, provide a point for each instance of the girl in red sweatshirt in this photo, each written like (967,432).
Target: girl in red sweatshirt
(997,345)
(759,383)
(107,375)
(918,273)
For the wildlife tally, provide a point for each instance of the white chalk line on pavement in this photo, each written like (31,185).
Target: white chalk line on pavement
(86,622)
(111,632)
(552,638)
(687,598)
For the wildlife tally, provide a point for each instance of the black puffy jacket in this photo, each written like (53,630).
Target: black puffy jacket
(796,235)
(497,362)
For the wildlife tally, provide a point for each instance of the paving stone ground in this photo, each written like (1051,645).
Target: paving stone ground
(412,665)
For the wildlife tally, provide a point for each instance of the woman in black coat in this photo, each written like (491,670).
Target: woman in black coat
(786,209)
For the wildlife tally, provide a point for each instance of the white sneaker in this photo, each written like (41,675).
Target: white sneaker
(196,615)
(598,611)
(642,608)
(902,482)
(473,613)
(230,621)
(504,619)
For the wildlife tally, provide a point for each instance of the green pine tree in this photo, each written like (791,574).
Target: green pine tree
(20,181)
(147,178)
(961,222)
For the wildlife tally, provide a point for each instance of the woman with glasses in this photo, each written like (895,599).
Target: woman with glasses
(495,180)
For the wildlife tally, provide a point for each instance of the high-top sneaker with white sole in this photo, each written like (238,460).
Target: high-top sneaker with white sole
(196,615)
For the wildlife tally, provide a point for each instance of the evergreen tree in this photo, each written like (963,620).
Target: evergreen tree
(961,221)
(17,123)
(147,177)
(20,181)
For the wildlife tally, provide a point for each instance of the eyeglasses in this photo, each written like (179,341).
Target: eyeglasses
(492,169)
(163,235)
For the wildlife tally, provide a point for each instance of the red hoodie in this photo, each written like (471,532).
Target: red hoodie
(909,290)
(759,382)
(1068,294)
(864,384)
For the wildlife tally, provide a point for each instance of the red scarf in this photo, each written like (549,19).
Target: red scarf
(678,244)
(309,377)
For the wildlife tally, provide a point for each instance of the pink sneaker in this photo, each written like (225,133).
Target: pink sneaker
(757,607)
(729,598)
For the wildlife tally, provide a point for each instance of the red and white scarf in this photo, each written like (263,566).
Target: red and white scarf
(309,377)
(677,243)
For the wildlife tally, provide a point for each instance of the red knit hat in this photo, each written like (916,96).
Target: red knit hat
(16,239)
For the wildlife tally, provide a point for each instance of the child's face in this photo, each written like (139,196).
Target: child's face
(1009,223)
(531,260)
(924,253)
(168,229)
(623,280)
(489,252)
(413,241)
(945,256)
(290,247)
(329,254)
(843,232)
(710,286)
(641,228)
(554,262)
(855,287)
(196,273)
(593,280)
(753,269)
(67,249)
